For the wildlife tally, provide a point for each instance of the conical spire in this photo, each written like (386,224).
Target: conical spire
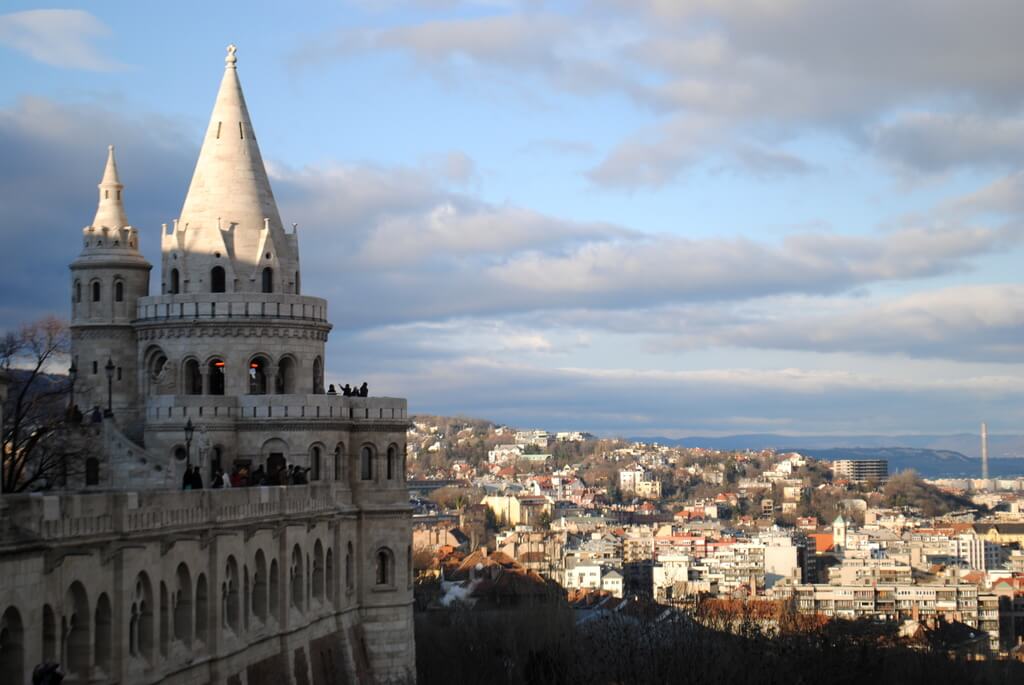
(230,190)
(110,211)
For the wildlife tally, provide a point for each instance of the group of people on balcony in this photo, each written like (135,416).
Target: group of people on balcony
(350,391)
(241,477)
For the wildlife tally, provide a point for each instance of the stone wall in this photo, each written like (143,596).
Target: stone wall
(247,585)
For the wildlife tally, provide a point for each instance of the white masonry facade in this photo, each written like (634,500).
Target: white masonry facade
(124,577)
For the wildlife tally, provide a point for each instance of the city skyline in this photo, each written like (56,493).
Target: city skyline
(613,217)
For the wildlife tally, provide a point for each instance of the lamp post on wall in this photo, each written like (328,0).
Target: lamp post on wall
(189,430)
(109,368)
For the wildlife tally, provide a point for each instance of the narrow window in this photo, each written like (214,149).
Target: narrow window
(216,377)
(298,289)
(175,281)
(268,280)
(119,291)
(217,280)
(78,291)
(241,133)
(96,291)
(383,570)
(95,367)
(119,373)
(92,471)
(366,461)
(218,128)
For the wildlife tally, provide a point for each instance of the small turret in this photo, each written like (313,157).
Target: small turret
(107,279)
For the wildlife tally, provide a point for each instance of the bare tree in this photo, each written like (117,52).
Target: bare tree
(43,442)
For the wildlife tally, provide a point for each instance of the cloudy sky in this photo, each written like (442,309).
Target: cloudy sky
(640,217)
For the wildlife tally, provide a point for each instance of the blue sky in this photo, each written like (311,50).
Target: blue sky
(633,217)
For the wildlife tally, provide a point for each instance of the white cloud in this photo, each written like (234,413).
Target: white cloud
(58,37)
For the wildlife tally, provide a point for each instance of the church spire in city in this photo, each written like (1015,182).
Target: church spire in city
(110,210)
(230,191)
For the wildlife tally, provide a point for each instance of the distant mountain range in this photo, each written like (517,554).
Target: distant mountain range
(933,456)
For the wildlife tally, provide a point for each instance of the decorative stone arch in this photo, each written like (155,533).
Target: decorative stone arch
(384,568)
(104,633)
(12,645)
(259,586)
(318,571)
(296,577)
(367,457)
(158,371)
(286,378)
(181,601)
(230,607)
(75,631)
(316,461)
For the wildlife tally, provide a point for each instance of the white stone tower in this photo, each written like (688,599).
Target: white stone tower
(107,280)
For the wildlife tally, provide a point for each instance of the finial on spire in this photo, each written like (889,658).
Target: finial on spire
(231,60)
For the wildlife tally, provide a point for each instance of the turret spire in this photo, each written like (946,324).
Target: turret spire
(110,210)
(230,182)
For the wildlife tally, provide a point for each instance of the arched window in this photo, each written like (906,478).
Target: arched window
(392,465)
(298,288)
(318,376)
(103,633)
(329,572)
(215,370)
(165,619)
(258,376)
(182,602)
(385,567)
(284,382)
(350,581)
(259,587)
(318,571)
(12,646)
(92,471)
(95,291)
(296,578)
(274,594)
(268,280)
(76,628)
(118,291)
(314,463)
(78,292)
(175,282)
(366,463)
(142,617)
(339,462)
(217,280)
(193,379)
(202,609)
(49,635)
(229,595)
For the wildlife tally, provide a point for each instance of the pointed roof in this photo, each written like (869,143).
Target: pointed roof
(230,188)
(110,210)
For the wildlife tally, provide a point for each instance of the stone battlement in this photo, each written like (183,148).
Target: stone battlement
(226,306)
(76,517)
(173,409)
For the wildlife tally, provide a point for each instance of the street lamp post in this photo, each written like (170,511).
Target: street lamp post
(189,430)
(109,368)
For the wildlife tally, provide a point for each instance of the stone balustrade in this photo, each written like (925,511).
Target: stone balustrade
(174,409)
(75,518)
(227,306)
